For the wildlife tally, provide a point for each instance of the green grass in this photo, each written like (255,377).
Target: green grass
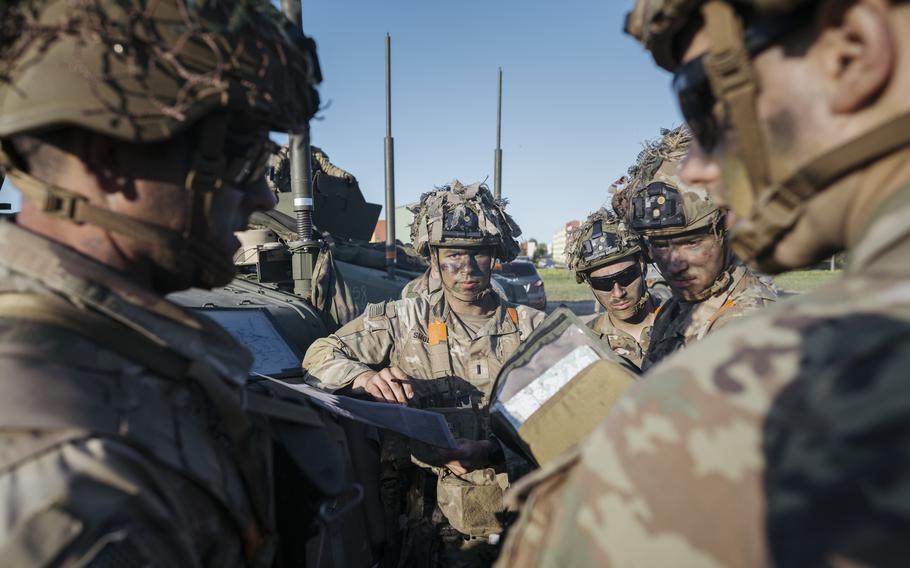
(804,280)
(561,287)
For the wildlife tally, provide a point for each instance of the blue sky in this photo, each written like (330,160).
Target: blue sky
(579,97)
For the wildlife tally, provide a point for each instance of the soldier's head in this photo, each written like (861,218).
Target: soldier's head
(463,230)
(138,131)
(606,255)
(792,96)
(681,228)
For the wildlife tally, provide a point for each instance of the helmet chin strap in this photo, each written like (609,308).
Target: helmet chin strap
(207,264)
(768,210)
(780,206)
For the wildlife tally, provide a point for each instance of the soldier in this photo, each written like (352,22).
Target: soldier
(440,351)
(685,235)
(138,133)
(608,257)
(783,439)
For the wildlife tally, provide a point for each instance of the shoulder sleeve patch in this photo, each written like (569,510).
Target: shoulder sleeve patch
(376,310)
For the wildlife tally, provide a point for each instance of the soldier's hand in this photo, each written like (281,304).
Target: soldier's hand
(388,385)
(470,455)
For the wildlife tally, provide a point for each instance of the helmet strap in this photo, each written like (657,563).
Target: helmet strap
(720,285)
(203,179)
(775,207)
(733,81)
(780,205)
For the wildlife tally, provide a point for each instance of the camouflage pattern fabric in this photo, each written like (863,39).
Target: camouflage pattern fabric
(619,341)
(781,441)
(738,292)
(397,334)
(454,377)
(165,491)
(420,286)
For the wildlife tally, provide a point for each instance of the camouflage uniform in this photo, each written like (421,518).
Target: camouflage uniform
(602,240)
(663,206)
(90,473)
(619,341)
(124,438)
(738,292)
(778,441)
(454,367)
(423,285)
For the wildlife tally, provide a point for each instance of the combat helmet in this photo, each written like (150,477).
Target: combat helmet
(143,71)
(459,215)
(602,239)
(661,204)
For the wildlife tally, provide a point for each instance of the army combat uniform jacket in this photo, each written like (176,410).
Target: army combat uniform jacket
(426,340)
(454,369)
(680,323)
(104,462)
(619,341)
(779,440)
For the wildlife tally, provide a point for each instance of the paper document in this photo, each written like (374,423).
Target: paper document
(423,425)
(529,399)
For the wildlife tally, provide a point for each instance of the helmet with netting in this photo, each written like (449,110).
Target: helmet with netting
(459,215)
(144,71)
(602,239)
(661,204)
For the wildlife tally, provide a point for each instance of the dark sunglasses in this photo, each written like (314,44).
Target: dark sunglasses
(247,158)
(623,278)
(693,89)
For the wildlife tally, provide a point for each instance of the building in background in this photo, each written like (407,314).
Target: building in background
(379,232)
(561,239)
(530,248)
(403,220)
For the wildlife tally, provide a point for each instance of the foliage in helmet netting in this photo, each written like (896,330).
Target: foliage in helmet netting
(657,200)
(459,215)
(142,70)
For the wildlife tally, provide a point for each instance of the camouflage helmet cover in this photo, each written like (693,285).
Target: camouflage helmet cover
(661,203)
(459,215)
(142,71)
(655,23)
(602,239)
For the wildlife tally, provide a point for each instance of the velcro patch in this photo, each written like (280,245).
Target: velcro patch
(438,332)
(376,310)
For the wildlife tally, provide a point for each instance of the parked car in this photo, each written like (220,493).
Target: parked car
(522,283)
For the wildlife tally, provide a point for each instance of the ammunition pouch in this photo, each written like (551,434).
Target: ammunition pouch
(470,502)
(557,387)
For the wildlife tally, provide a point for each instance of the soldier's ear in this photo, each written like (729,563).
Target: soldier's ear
(858,51)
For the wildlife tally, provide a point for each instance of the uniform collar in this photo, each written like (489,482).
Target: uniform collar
(500,322)
(886,231)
